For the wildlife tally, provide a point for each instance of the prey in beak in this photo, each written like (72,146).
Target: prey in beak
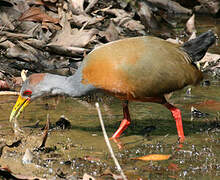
(21,103)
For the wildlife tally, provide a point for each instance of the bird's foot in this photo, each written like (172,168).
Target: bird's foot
(124,124)
(181,139)
(118,143)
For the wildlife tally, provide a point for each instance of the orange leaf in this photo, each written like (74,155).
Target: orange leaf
(154,157)
(35,14)
(173,167)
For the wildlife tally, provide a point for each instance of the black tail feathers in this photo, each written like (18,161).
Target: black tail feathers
(196,48)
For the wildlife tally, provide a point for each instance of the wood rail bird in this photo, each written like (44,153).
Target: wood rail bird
(133,69)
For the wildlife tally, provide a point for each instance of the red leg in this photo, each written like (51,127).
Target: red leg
(177,116)
(124,123)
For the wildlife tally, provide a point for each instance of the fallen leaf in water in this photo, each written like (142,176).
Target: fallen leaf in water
(108,174)
(91,158)
(208,104)
(174,177)
(173,167)
(35,14)
(153,157)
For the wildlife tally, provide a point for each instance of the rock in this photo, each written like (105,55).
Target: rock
(28,157)
(63,123)
(111,33)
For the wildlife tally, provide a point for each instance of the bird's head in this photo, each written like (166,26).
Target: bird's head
(32,88)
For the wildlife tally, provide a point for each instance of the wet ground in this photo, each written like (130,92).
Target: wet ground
(81,148)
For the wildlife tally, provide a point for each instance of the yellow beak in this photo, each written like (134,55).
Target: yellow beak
(19,107)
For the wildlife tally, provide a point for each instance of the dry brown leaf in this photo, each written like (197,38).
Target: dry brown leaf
(170,6)
(4,85)
(7,23)
(111,33)
(91,5)
(35,14)
(81,19)
(209,6)
(74,38)
(39,44)
(126,20)
(119,12)
(77,6)
(5,44)
(49,5)
(132,25)
(14,35)
(146,16)
(66,50)
(18,52)
(209,57)
(154,157)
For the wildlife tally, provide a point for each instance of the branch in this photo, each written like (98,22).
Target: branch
(108,143)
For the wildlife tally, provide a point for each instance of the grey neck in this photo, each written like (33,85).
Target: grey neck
(71,86)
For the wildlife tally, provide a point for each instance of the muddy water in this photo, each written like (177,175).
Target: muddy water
(81,149)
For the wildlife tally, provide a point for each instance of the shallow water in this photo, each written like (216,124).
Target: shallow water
(81,149)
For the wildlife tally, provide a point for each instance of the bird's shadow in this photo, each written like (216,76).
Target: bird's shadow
(156,127)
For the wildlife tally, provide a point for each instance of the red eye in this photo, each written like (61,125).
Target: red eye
(27,93)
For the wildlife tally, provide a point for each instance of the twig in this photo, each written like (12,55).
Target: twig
(108,143)
(3,93)
(91,5)
(14,35)
(24,74)
(45,135)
